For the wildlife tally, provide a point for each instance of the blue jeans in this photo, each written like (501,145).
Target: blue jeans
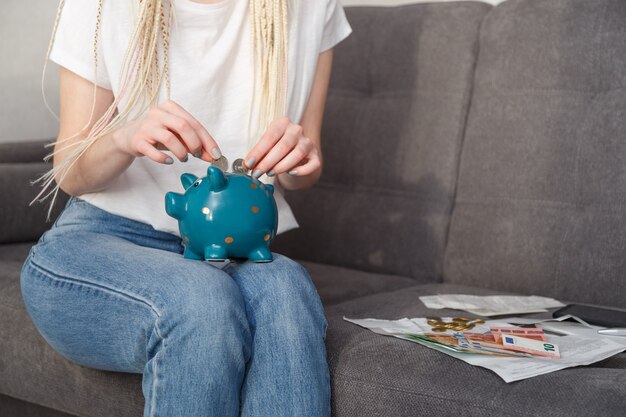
(244,339)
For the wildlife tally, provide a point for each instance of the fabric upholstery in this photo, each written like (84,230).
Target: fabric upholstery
(541,197)
(336,284)
(19,221)
(14,407)
(16,252)
(392,131)
(13,152)
(376,375)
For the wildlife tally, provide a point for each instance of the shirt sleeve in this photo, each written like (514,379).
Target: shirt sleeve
(336,25)
(73,46)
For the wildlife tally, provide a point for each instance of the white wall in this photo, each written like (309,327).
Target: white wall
(25,28)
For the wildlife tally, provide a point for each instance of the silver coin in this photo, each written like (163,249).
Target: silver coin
(221,163)
(239,167)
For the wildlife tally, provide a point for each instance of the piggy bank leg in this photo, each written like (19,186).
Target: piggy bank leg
(260,254)
(189,254)
(215,253)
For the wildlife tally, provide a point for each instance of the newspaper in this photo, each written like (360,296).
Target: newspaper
(491,305)
(579,344)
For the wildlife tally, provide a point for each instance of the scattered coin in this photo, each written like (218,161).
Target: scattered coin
(439,329)
(457,324)
(221,163)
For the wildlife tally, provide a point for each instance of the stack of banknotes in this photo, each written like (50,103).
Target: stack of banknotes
(461,334)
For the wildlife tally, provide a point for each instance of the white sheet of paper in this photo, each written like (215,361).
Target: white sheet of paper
(582,347)
(491,305)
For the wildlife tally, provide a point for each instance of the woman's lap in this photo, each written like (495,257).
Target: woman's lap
(96,285)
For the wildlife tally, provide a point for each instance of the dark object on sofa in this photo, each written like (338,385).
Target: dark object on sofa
(468,149)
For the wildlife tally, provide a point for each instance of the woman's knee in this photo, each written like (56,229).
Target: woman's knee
(282,288)
(205,302)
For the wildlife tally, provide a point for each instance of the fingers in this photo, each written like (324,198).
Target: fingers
(290,142)
(274,133)
(148,149)
(209,150)
(170,141)
(302,160)
(180,131)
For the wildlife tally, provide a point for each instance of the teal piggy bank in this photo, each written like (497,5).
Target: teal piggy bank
(224,215)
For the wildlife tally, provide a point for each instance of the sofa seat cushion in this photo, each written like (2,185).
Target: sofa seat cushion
(337,284)
(375,375)
(15,252)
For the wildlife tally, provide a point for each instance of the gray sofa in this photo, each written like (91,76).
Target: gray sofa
(468,149)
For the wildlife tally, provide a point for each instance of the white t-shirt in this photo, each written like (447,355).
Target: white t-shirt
(210,57)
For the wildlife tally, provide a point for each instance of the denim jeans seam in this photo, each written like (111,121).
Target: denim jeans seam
(131,297)
(155,377)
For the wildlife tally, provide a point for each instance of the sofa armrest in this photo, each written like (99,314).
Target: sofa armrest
(24,151)
(21,163)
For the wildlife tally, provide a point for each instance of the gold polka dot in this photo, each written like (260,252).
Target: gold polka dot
(253,185)
(229,239)
(266,237)
(205,210)
(255,209)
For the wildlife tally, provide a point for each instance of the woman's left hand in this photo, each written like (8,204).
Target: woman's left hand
(283,148)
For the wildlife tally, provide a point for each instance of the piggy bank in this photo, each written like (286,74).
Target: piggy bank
(224,215)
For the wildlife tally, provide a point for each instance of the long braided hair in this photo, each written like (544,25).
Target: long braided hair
(145,71)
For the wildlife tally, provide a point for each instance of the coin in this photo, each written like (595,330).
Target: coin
(221,163)
(239,167)
(461,319)
(433,322)
(439,329)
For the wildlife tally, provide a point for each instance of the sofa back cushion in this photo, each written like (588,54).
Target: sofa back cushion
(393,123)
(541,202)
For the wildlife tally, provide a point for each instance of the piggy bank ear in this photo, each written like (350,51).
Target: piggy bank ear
(187,179)
(270,187)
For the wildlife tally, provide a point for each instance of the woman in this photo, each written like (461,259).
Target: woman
(145,83)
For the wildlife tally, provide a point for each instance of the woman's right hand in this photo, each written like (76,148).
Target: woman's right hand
(168,126)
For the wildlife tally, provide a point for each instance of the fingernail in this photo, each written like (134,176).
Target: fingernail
(249,162)
(169,161)
(197,154)
(256,174)
(271,173)
(216,153)
(293,172)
